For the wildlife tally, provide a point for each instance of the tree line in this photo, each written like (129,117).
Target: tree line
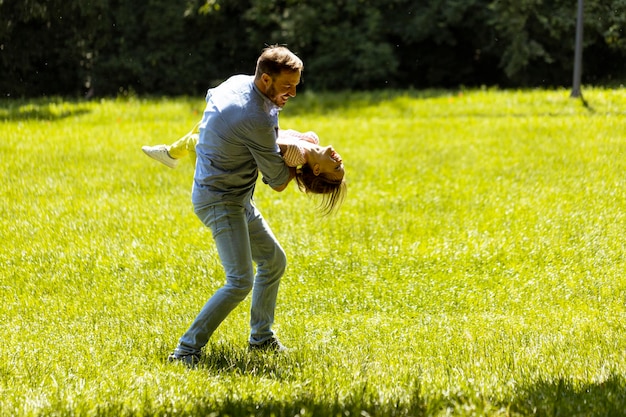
(164,47)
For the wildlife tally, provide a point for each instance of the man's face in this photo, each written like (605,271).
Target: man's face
(282,87)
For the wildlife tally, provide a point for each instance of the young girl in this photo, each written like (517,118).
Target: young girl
(320,169)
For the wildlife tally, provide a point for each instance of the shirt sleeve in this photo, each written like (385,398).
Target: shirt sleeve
(266,153)
(294,155)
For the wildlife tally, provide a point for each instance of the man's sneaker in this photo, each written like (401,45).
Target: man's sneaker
(190,359)
(159,152)
(270,345)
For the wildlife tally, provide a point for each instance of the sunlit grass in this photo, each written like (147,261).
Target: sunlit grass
(476,267)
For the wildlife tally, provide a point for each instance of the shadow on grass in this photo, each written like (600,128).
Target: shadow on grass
(239,361)
(550,398)
(566,398)
(42,109)
(337,103)
(329,103)
(303,405)
(557,398)
(363,400)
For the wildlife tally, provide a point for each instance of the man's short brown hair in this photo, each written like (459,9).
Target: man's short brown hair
(275,59)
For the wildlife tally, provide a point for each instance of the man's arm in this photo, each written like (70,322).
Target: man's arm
(292,175)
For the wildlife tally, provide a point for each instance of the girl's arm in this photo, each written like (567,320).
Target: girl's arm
(289,135)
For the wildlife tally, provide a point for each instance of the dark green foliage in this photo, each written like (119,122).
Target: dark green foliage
(111,47)
(46,45)
(447,43)
(343,43)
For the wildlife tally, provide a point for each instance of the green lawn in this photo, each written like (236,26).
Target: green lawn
(477,266)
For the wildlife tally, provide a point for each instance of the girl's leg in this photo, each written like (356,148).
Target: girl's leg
(184,146)
(170,154)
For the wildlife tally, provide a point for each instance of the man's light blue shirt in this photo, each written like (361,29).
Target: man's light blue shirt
(237,139)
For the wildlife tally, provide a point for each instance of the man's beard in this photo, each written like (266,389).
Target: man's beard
(274,96)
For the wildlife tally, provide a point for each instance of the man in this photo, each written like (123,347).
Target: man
(237,139)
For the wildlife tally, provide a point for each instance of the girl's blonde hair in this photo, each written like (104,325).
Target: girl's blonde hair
(332,191)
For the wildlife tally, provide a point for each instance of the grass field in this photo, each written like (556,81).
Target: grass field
(475,268)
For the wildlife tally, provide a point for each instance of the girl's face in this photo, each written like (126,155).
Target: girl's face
(324,160)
